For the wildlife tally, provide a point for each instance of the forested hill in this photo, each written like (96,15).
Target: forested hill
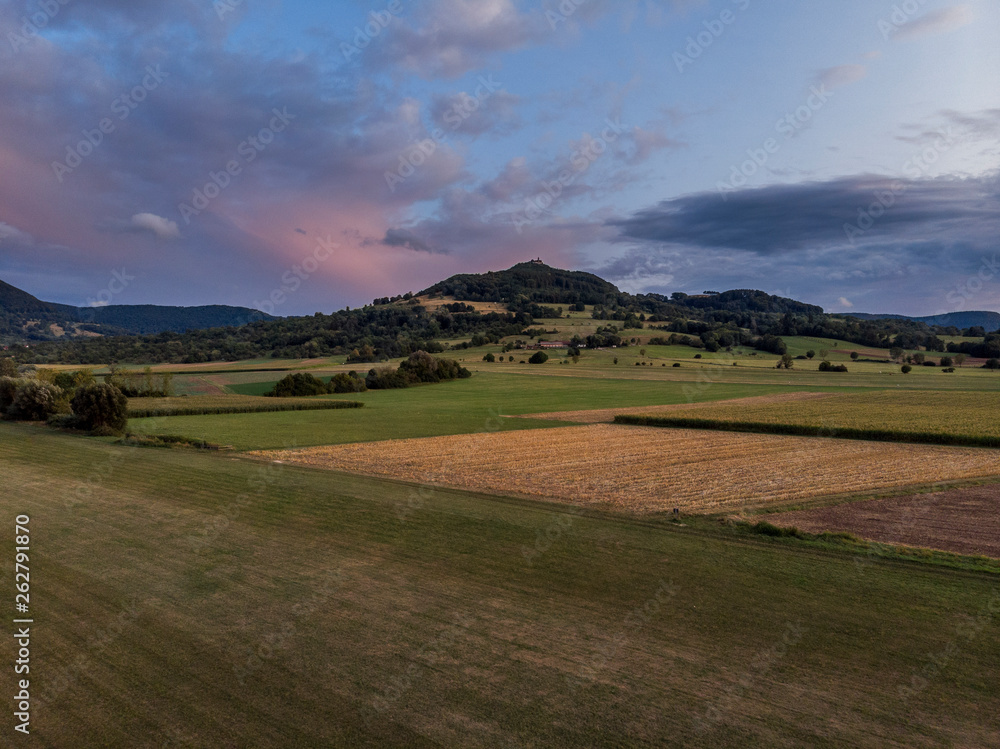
(531,282)
(24,317)
(531,294)
(966,319)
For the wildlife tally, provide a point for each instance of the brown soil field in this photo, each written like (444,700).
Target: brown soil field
(646,469)
(964,521)
(607,415)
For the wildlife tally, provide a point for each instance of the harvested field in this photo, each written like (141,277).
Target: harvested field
(607,415)
(964,521)
(646,470)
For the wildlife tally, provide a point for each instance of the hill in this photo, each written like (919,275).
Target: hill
(988,321)
(531,282)
(24,317)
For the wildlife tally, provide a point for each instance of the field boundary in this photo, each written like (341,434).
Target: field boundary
(145,413)
(805,430)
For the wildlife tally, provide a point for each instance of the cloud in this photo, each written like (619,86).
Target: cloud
(468,114)
(936,22)
(407,239)
(11,235)
(845,302)
(157,225)
(841,75)
(786,218)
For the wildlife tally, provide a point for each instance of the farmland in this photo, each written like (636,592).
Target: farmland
(963,520)
(644,470)
(379,615)
(945,414)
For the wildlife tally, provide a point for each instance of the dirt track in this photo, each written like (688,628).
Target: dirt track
(964,521)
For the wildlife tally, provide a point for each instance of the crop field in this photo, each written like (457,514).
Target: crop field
(971,415)
(227,404)
(204,600)
(478,404)
(964,521)
(644,470)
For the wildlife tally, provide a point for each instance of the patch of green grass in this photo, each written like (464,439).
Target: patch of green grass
(464,406)
(140,408)
(218,601)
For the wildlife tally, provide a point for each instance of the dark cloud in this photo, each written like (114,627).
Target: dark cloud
(786,218)
(407,239)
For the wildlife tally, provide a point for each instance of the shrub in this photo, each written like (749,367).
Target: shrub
(677,363)
(946,361)
(948,369)
(906,369)
(101,408)
(697,356)
(489,358)
(385,378)
(346,383)
(298,384)
(8,386)
(8,367)
(539,357)
(35,401)
(826,366)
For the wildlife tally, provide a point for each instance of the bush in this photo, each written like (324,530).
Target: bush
(8,367)
(346,383)
(8,387)
(539,357)
(697,356)
(103,409)
(489,358)
(826,366)
(948,369)
(677,363)
(906,369)
(298,384)
(385,378)
(35,401)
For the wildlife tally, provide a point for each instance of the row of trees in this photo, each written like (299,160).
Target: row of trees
(97,407)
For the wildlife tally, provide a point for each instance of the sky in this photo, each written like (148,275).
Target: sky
(300,157)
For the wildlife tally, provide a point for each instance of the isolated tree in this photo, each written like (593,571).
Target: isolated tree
(786,361)
(960,359)
(8,367)
(490,358)
(642,352)
(946,361)
(101,408)
(896,353)
(810,354)
(854,356)
(918,358)
(539,357)
(906,369)
(616,360)
(35,401)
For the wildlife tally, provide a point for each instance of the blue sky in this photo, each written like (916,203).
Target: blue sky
(845,154)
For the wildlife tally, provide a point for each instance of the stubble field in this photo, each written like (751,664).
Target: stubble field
(648,470)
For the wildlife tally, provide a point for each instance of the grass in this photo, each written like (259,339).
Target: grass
(187,598)
(461,407)
(139,408)
(954,418)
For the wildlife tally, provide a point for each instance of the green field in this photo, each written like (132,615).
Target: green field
(191,599)
(463,406)
(961,415)
(227,404)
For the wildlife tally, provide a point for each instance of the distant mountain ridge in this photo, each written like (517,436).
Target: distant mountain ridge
(25,317)
(989,321)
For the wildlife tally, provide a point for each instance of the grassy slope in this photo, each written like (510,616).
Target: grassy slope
(168,672)
(463,406)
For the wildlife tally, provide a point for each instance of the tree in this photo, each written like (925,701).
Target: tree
(489,358)
(539,357)
(992,364)
(642,352)
(616,360)
(101,408)
(896,353)
(35,401)
(959,359)
(918,358)
(8,367)
(854,356)
(298,384)
(946,361)
(906,369)
(810,354)
(786,361)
